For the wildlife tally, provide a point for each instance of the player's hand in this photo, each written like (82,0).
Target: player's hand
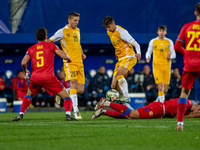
(69,60)
(138,56)
(168,55)
(148,60)
(26,74)
(83,56)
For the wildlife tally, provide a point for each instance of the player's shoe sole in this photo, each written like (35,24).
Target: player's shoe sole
(99,104)
(179,128)
(77,115)
(97,113)
(17,118)
(70,118)
(122,100)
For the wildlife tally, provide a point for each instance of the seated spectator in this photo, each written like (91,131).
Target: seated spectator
(175,84)
(132,85)
(2,87)
(100,83)
(19,85)
(149,84)
(61,78)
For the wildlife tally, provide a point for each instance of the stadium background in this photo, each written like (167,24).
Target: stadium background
(140,18)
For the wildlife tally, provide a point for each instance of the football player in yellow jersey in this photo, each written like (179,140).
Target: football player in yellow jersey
(123,43)
(163,52)
(69,37)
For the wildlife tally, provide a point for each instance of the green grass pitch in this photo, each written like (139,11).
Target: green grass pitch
(49,130)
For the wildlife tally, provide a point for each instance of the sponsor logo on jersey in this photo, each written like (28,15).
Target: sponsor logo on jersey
(167,46)
(118,40)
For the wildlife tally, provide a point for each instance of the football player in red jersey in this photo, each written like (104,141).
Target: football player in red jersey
(190,34)
(167,109)
(42,66)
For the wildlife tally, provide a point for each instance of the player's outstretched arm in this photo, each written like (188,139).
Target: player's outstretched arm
(63,55)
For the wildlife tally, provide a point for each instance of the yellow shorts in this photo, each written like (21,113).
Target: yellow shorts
(162,74)
(126,63)
(74,71)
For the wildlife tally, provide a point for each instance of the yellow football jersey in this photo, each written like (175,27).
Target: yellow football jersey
(160,49)
(70,42)
(122,42)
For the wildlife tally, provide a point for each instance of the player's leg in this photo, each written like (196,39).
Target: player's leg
(124,66)
(188,79)
(161,94)
(67,104)
(26,102)
(118,107)
(166,79)
(158,76)
(182,104)
(110,113)
(122,83)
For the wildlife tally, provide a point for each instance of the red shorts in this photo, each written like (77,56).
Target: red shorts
(52,86)
(153,110)
(188,78)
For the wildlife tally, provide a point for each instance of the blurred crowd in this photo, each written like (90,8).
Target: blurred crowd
(14,87)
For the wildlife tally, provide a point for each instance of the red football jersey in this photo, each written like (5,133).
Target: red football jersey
(171,107)
(190,34)
(42,60)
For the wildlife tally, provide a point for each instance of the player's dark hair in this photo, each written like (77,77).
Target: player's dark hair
(176,68)
(162,27)
(73,14)
(19,71)
(107,21)
(197,8)
(41,34)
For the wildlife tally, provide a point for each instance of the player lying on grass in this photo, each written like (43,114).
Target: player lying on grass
(167,109)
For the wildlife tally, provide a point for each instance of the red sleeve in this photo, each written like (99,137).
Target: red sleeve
(180,41)
(181,36)
(178,47)
(28,52)
(55,47)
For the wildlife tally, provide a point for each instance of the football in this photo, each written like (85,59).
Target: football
(112,94)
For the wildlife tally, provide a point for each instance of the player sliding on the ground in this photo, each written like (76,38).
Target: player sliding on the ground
(167,109)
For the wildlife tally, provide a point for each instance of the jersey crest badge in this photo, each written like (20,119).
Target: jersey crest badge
(118,40)
(151,113)
(68,35)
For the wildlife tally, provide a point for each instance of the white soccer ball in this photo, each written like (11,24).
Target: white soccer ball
(111,95)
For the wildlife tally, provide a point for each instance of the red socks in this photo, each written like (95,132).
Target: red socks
(67,104)
(120,108)
(182,104)
(26,102)
(115,114)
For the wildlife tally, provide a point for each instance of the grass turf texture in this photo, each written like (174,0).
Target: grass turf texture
(49,130)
